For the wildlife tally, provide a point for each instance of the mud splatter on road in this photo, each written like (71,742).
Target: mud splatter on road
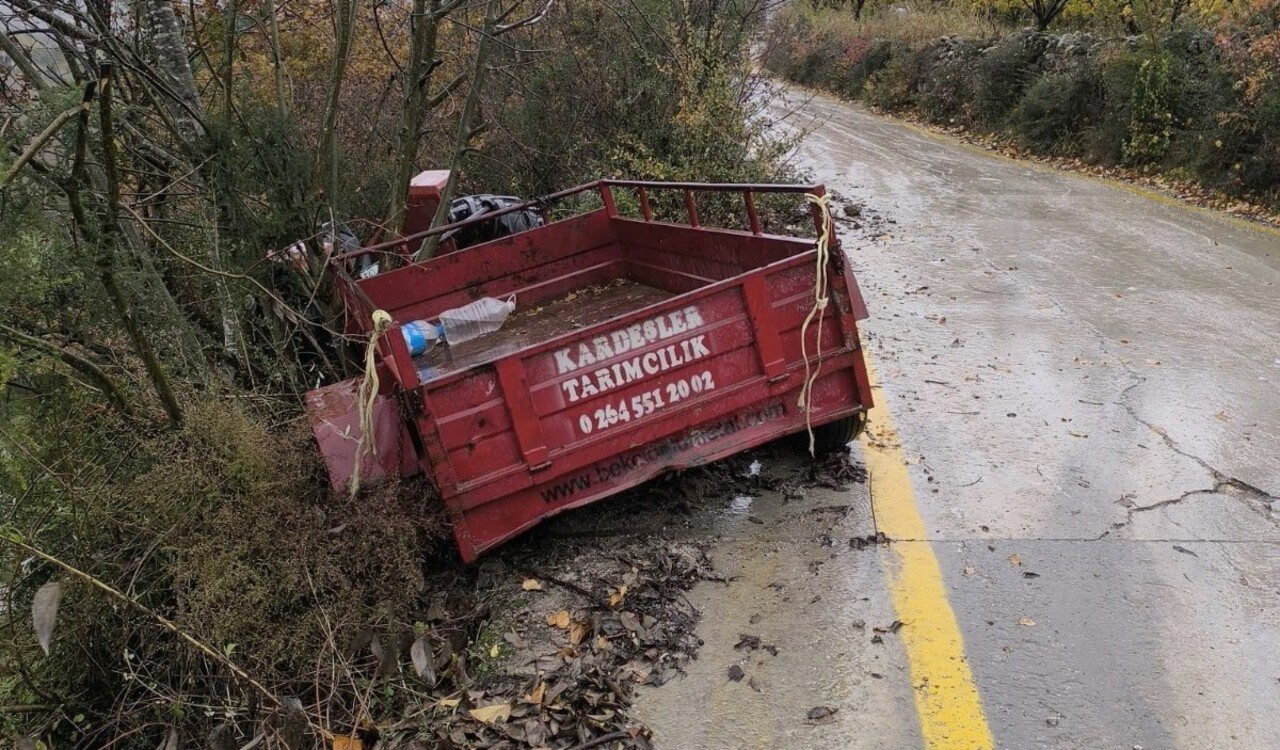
(1084,388)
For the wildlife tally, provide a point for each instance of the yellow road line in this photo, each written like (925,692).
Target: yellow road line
(947,701)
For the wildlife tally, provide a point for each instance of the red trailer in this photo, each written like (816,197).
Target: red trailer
(637,346)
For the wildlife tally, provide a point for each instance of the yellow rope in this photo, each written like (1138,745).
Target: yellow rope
(818,310)
(367,395)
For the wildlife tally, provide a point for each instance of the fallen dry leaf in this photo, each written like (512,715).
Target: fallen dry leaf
(420,654)
(630,621)
(1026,622)
(616,597)
(559,619)
(578,631)
(821,714)
(44,612)
(170,741)
(1015,560)
(531,584)
(490,714)
(538,693)
(345,742)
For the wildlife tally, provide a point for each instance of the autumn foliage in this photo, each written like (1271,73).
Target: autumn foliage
(1195,96)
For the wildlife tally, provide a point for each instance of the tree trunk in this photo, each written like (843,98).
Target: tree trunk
(92,374)
(277,63)
(20,58)
(417,74)
(326,175)
(466,128)
(187,111)
(229,57)
(174,68)
(106,238)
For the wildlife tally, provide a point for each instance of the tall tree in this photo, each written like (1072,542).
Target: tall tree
(174,70)
(424,30)
(327,163)
(469,125)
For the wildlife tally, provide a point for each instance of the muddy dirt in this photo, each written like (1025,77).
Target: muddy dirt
(553,636)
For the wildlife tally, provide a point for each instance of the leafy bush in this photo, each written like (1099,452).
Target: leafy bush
(669,96)
(863,60)
(1237,145)
(895,85)
(1151,117)
(227,529)
(1201,99)
(946,94)
(1004,71)
(1053,114)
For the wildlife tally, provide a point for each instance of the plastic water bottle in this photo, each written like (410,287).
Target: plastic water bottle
(475,319)
(421,336)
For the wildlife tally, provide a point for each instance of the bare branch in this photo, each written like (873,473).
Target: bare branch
(529,21)
(84,366)
(448,89)
(209,652)
(47,14)
(23,61)
(45,136)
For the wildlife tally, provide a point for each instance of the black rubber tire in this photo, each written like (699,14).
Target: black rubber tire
(834,436)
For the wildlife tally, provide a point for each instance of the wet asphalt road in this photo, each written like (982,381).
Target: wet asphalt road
(1085,382)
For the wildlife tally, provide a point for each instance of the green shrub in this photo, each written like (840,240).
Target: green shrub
(1259,170)
(1103,140)
(1053,115)
(227,528)
(1004,71)
(1241,153)
(894,86)
(946,94)
(862,58)
(656,99)
(1195,101)
(1151,116)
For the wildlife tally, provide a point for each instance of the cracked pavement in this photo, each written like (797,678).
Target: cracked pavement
(1085,380)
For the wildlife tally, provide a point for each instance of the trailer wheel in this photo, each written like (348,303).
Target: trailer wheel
(834,436)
